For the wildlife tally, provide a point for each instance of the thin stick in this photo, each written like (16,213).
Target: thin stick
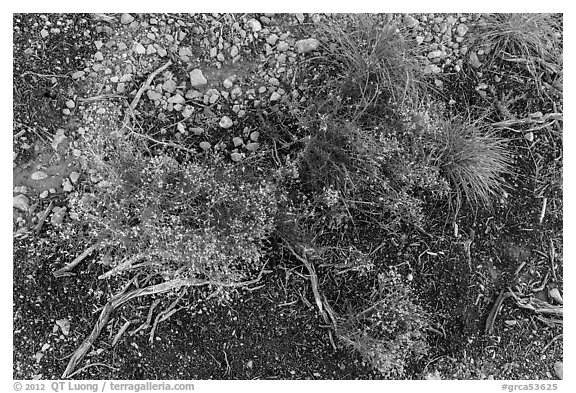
(146,85)
(122,266)
(551,342)
(43,218)
(495,310)
(543,211)
(66,269)
(91,365)
(120,333)
(552,256)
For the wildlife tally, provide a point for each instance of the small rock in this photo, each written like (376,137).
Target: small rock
(98,56)
(254,25)
(274,81)
(20,202)
(126,19)
(558,369)
(234,51)
(226,122)
(139,48)
(78,74)
(282,46)
(197,78)
(434,54)
(410,21)
(58,216)
(300,18)
(473,60)
(236,157)
(253,146)
(250,364)
(237,141)
(254,136)
(227,83)
(70,104)
(44,33)
(554,293)
(205,146)
(197,131)
(64,325)
(275,96)
(529,136)
(419,39)
(39,175)
(176,99)
(67,186)
(169,86)
(272,38)
(74,176)
(307,45)
(461,30)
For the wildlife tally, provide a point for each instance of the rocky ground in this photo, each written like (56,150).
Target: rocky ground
(221,78)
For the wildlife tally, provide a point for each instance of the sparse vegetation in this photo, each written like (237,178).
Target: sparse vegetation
(309,165)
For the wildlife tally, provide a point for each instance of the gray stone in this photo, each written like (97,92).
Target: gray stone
(225,122)
(410,21)
(139,48)
(21,202)
(307,45)
(205,145)
(282,46)
(197,79)
(254,25)
(169,86)
(39,175)
(126,19)
(461,30)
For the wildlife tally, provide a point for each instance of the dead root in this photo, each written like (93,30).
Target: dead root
(545,312)
(119,299)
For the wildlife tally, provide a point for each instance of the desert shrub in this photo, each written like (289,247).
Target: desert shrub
(367,67)
(180,220)
(473,160)
(371,171)
(390,333)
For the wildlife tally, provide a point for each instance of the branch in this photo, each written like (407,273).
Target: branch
(66,269)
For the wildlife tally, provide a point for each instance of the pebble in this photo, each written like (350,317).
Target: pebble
(234,51)
(197,79)
(275,96)
(529,136)
(126,19)
(70,104)
(225,122)
(282,46)
(197,131)
(58,215)
(21,202)
(98,56)
(236,157)
(461,30)
(253,146)
(307,45)
(434,54)
(139,48)
(300,18)
(554,293)
(254,25)
(237,141)
(272,38)
(74,176)
(39,175)
(558,369)
(473,60)
(227,83)
(78,74)
(411,21)
(254,136)
(169,86)
(44,194)
(205,146)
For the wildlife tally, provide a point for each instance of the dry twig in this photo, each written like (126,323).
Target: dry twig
(66,269)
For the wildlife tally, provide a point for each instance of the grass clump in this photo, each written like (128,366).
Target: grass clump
(472,159)
(366,68)
(533,42)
